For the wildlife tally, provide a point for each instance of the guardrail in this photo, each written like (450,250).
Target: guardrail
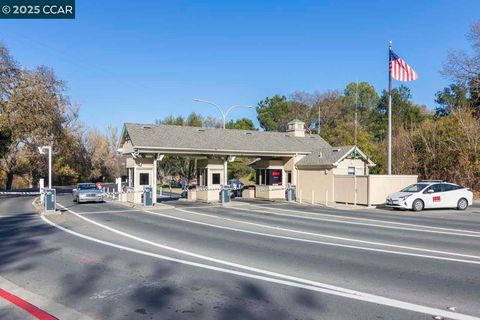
(20,192)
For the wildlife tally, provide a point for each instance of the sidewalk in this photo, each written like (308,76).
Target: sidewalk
(37,305)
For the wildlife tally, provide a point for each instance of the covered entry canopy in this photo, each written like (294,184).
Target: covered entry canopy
(168,139)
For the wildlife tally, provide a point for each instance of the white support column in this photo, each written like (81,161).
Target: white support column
(225,172)
(154,181)
(41,186)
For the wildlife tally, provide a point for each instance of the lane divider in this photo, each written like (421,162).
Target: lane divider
(28,307)
(439,230)
(318,234)
(363,219)
(286,238)
(298,282)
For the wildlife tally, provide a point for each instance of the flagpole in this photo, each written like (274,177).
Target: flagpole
(389,112)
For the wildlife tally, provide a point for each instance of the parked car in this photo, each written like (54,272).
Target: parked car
(175,184)
(429,195)
(237,186)
(87,192)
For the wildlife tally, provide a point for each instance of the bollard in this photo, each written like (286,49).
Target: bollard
(313,196)
(326,198)
(300,196)
(41,185)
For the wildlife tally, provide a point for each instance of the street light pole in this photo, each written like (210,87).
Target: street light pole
(49,167)
(224,114)
(41,150)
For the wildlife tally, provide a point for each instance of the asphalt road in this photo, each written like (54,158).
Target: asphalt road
(255,260)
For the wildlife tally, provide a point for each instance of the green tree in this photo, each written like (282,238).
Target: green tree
(239,169)
(271,113)
(274,113)
(194,120)
(365,97)
(451,98)
(243,124)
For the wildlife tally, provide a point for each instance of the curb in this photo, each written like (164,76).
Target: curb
(55,309)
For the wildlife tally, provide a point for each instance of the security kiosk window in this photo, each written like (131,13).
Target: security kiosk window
(216,178)
(144,179)
(261,177)
(202,177)
(274,177)
(269,177)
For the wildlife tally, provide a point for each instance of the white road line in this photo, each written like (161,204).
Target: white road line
(199,207)
(366,219)
(384,244)
(304,284)
(108,211)
(428,229)
(286,238)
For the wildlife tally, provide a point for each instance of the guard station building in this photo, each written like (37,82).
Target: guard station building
(281,159)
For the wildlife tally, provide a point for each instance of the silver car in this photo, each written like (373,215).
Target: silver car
(87,192)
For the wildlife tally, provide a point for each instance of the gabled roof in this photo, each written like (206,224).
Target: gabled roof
(170,138)
(331,156)
(296,121)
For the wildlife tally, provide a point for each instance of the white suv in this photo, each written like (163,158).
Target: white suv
(431,194)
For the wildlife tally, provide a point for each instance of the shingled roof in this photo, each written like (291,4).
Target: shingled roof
(169,137)
(327,157)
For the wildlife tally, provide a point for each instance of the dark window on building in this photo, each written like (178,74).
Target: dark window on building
(144,179)
(269,177)
(216,178)
(202,177)
(261,177)
(274,177)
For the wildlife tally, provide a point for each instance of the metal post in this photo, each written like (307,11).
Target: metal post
(389,112)
(355,187)
(319,119)
(154,184)
(49,167)
(225,172)
(41,187)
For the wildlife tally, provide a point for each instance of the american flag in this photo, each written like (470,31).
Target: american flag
(400,70)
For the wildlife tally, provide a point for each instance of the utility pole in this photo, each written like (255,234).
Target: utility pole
(319,119)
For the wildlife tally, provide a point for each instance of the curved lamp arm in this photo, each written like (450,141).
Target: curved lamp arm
(212,104)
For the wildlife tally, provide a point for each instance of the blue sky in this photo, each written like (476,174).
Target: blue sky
(138,61)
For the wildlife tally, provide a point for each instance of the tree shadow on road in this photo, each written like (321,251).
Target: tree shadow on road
(21,240)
